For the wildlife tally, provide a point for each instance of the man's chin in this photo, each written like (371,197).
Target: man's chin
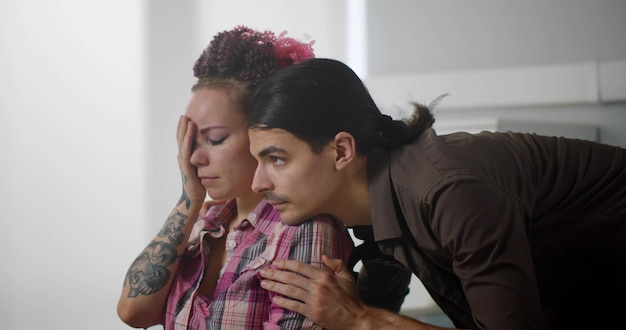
(291,219)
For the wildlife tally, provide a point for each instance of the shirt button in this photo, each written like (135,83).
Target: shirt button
(231,244)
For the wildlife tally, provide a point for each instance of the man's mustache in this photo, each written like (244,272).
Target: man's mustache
(270,195)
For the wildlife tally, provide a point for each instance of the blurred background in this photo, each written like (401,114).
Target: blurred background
(90,94)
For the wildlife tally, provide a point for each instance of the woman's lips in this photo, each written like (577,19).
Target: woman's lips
(207,181)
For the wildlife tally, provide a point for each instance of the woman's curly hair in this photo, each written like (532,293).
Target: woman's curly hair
(249,56)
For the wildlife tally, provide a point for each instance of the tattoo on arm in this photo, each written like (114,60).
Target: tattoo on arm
(173,228)
(184,197)
(148,273)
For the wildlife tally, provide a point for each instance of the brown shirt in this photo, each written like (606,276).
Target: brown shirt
(506,230)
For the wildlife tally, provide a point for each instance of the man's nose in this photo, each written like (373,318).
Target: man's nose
(260,183)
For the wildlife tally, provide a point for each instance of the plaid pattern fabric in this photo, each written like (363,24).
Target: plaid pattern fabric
(239,302)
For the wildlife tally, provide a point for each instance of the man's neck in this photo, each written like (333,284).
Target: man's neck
(354,205)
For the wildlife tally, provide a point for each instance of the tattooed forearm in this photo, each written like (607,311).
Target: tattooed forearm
(184,197)
(148,273)
(173,228)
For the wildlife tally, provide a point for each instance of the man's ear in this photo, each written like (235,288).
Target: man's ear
(345,147)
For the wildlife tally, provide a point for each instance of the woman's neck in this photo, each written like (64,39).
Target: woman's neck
(245,205)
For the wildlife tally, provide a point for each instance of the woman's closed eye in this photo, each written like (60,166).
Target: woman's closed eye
(218,141)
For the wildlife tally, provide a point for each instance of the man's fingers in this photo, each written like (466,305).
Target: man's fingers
(288,290)
(294,298)
(288,277)
(338,267)
(291,304)
(298,267)
(315,293)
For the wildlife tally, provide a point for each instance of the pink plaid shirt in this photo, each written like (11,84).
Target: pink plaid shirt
(239,302)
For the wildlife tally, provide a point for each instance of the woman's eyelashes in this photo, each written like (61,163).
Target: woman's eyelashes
(218,141)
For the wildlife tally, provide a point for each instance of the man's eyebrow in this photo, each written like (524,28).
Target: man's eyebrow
(208,128)
(270,150)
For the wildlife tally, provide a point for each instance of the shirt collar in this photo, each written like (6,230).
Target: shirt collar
(219,215)
(216,217)
(258,212)
(384,217)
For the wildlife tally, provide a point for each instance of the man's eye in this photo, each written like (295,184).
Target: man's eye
(277,160)
(219,141)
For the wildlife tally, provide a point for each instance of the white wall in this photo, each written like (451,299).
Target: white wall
(436,36)
(323,21)
(71,142)
(170,31)
(562,61)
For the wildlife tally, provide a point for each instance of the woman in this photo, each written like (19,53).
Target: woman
(213,282)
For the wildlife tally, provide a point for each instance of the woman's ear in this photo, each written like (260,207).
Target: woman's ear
(345,147)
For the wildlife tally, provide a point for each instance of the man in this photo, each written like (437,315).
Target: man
(505,230)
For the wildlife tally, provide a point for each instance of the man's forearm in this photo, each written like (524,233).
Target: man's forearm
(376,318)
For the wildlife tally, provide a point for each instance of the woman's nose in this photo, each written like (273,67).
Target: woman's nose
(198,157)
